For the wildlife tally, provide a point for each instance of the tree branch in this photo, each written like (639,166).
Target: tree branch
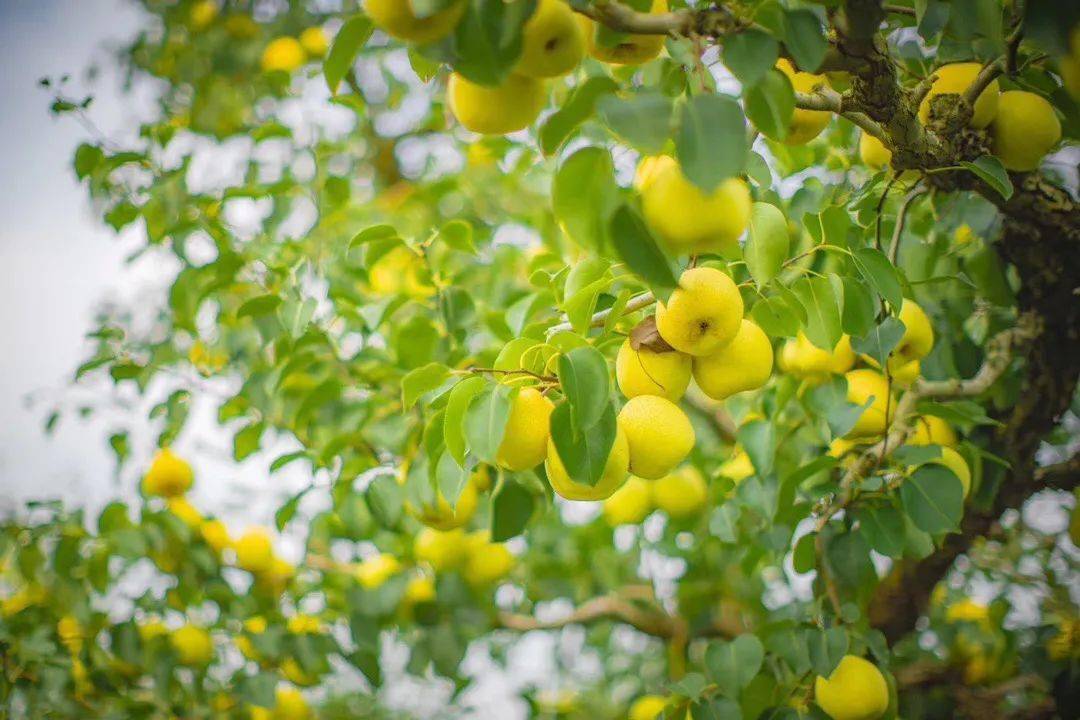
(606,607)
(638,302)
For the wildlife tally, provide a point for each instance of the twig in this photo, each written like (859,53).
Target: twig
(824,99)
(1063,476)
(519,371)
(990,72)
(899,10)
(901,219)
(605,607)
(635,303)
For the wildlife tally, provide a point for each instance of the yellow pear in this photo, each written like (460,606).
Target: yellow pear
(856,690)
(658,434)
(738,467)
(805,124)
(631,49)
(400,271)
(954,79)
(314,42)
(630,504)
(703,314)
(1025,130)
(283,54)
(254,551)
(647,707)
(644,372)
(932,430)
(442,550)
(801,358)
(863,385)
(182,508)
(553,41)
(918,339)
(487,562)
(873,152)
(169,475)
(687,219)
(203,13)
(420,589)
(289,704)
(372,572)
(524,443)
(743,364)
(193,645)
(396,18)
(497,110)
(681,494)
(614,475)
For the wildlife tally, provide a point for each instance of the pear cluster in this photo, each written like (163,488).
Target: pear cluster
(555,40)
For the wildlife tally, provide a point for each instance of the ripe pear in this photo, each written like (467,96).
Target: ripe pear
(932,430)
(681,494)
(738,467)
(863,385)
(658,434)
(1025,130)
(283,54)
(396,18)
(873,152)
(254,551)
(441,516)
(372,572)
(289,704)
(169,475)
(444,551)
(644,372)
(553,41)
(856,690)
(614,475)
(687,219)
(918,339)
(314,42)
(647,707)
(497,110)
(954,79)
(400,271)
(193,645)
(743,364)
(487,562)
(630,504)
(801,358)
(631,49)
(524,443)
(805,124)
(703,314)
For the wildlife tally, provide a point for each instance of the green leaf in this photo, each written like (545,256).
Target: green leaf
(732,665)
(386,499)
(827,648)
(511,507)
(246,440)
(805,38)
(758,438)
(637,248)
(487,43)
(818,298)
(347,43)
(711,143)
(485,421)
(421,381)
(883,527)
(259,306)
(454,417)
(933,498)
(859,312)
(287,512)
(768,243)
(775,317)
(586,383)
(804,556)
(829,400)
(880,273)
(990,170)
(584,196)
(584,455)
(750,55)
(716,709)
(642,121)
(848,555)
(458,234)
(579,108)
(881,340)
(375,233)
(770,104)
(87,158)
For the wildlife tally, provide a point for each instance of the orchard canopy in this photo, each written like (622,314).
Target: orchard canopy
(733,346)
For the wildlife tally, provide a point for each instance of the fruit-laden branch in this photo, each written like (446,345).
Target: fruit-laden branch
(706,22)
(615,606)
(1062,476)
